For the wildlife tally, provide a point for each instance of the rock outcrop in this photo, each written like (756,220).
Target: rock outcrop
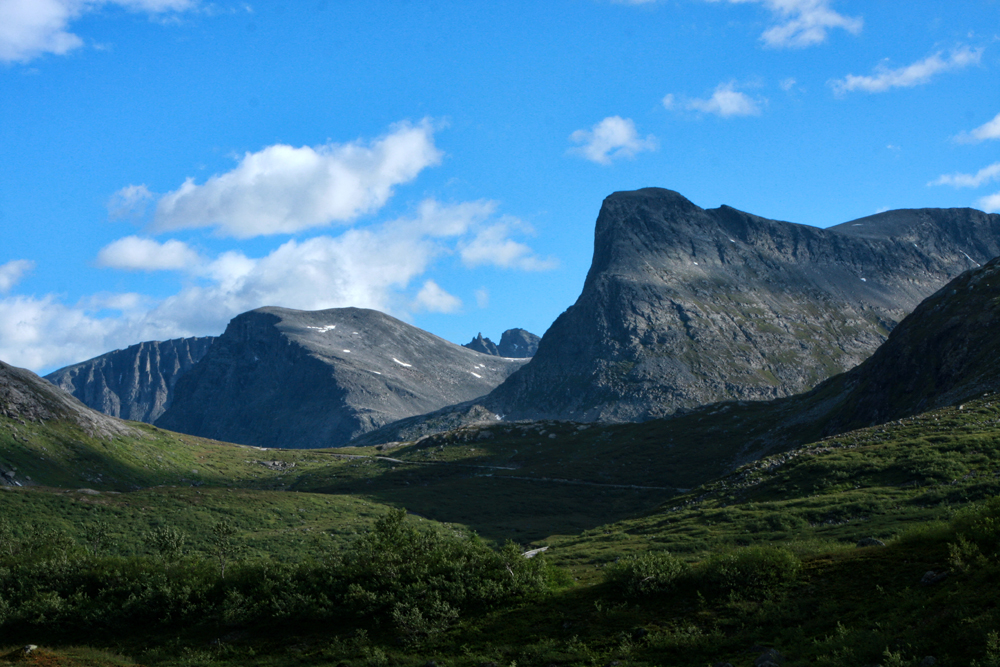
(25,397)
(514,344)
(136,383)
(286,378)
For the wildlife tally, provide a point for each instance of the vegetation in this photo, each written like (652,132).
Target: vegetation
(320,569)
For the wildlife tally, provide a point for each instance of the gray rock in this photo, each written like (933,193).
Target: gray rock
(769,658)
(932,577)
(136,383)
(870,542)
(514,344)
(26,397)
(684,306)
(288,378)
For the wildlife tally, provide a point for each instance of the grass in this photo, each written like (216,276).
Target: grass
(576,492)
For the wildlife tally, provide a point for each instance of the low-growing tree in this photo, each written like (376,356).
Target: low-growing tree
(224,545)
(166,542)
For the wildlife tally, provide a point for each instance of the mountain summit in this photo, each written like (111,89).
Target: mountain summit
(280,377)
(685,306)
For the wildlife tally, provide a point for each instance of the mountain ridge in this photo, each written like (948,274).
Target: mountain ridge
(279,377)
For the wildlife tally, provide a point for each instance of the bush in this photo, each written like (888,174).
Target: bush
(750,572)
(421,580)
(977,535)
(646,574)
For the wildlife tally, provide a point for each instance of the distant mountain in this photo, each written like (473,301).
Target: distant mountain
(136,383)
(287,378)
(685,307)
(514,344)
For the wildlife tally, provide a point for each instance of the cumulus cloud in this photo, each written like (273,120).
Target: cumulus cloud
(725,101)
(909,76)
(990,203)
(612,138)
(12,272)
(482,297)
(138,254)
(981,177)
(990,130)
(434,299)
(283,189)
(492,246)
(379,266)
(31,28)
(129,203)
(801,23)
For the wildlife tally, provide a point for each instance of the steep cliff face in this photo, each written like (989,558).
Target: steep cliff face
(286,378)
(136,383)
(684,306)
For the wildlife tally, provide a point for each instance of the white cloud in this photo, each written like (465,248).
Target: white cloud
(129,203)
(482,297)
(787,84)
(726,101)
(801,23)
(984,175)
(989,130)
(12,272)
(492,246)
(434,299)
(990,203)
(137,254)
(282,189)
(373,267)
(916,74)
(612,138)
(31,28)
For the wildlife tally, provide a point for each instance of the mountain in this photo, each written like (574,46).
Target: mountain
(684,306)
(136,383)
(514,344)
(287,378)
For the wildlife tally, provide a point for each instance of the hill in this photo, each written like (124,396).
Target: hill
(285,378)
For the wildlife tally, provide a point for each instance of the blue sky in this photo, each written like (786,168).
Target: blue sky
(168,164)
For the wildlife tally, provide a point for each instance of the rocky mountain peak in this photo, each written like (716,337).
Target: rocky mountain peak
(685,306)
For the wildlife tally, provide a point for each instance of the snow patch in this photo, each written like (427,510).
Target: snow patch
(324,329)
(401,363)
(972,260)
(477,375)
(864,280)
(348,351)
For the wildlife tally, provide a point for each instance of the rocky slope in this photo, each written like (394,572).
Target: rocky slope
(685,306)
(514,344)
(136,383)
(286,378)
(27,399)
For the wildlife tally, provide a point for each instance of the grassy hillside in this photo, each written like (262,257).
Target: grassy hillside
(762,558)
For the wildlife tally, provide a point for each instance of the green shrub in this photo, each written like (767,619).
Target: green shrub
(421,580)
(749,572)
(646,574)
(977,535)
